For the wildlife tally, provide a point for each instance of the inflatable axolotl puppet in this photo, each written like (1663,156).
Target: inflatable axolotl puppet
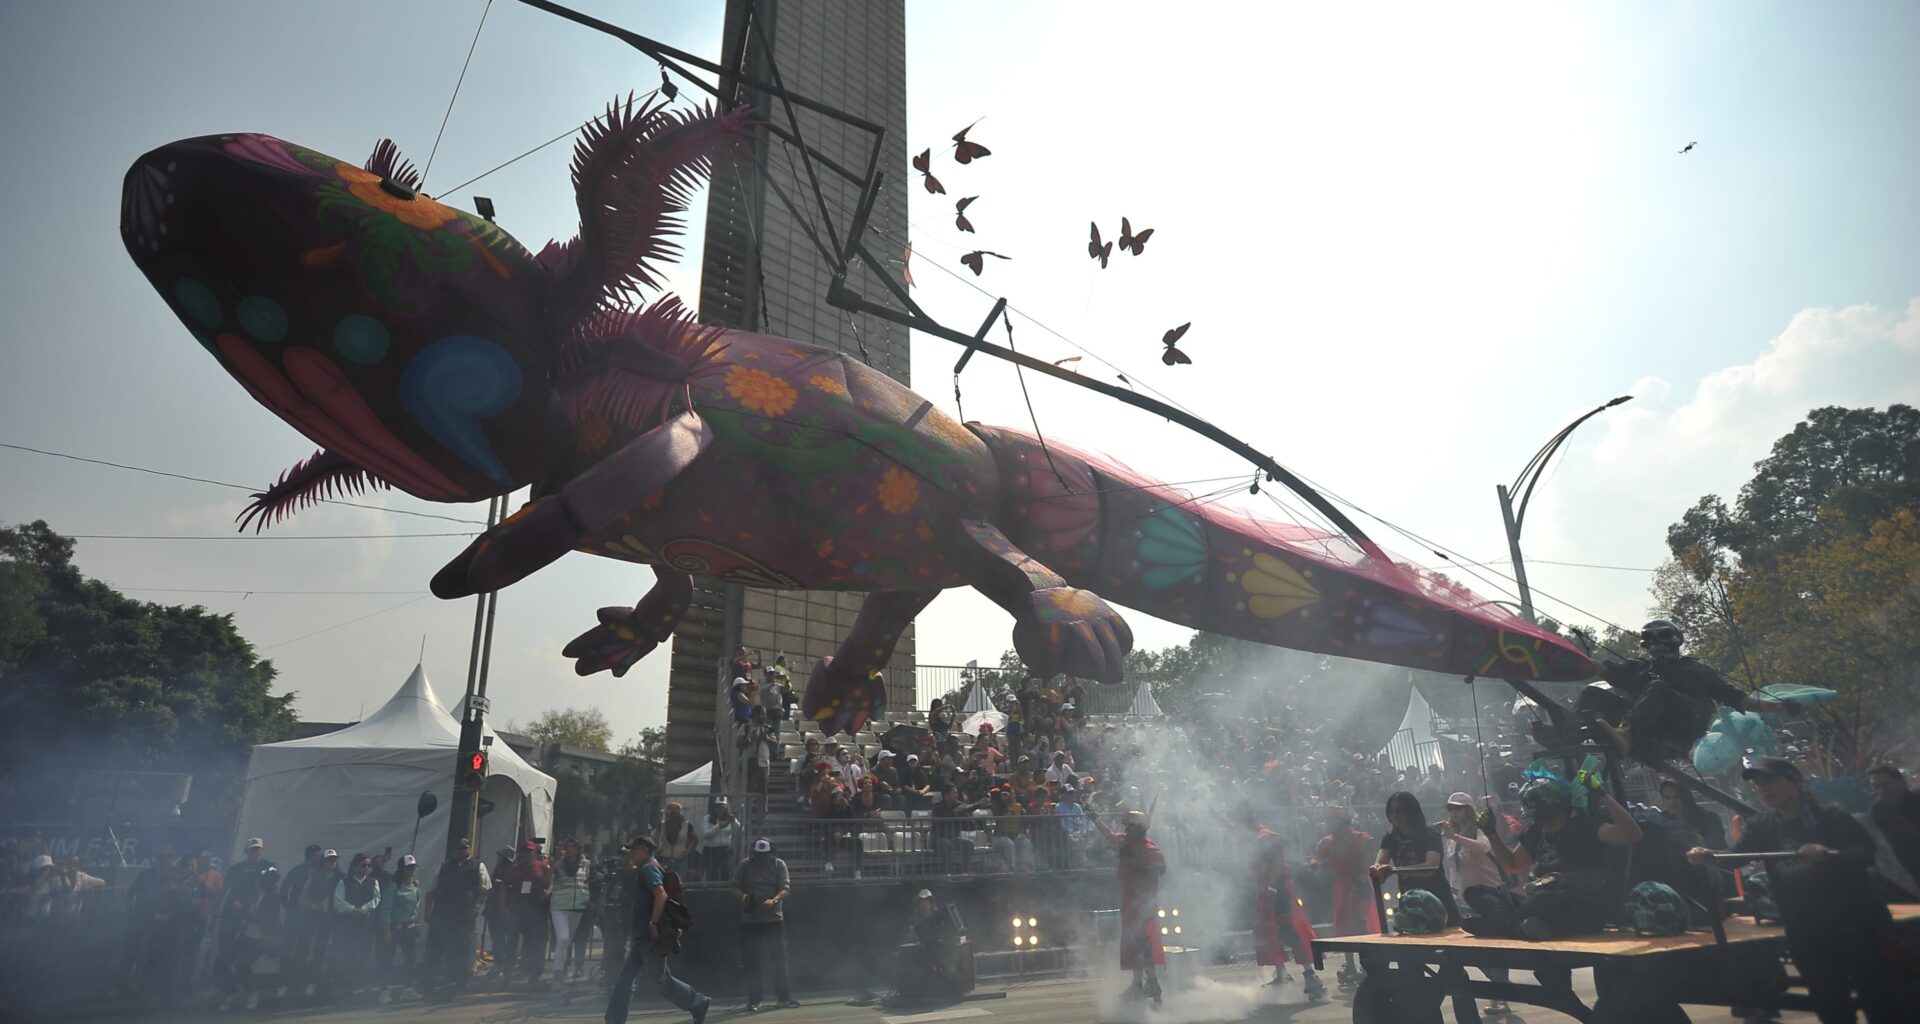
(424,349)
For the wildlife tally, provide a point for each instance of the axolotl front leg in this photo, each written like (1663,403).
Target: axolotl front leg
(1056,628)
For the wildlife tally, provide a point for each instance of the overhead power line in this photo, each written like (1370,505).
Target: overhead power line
(222,483)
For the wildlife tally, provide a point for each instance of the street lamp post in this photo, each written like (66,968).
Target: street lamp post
(1514,515)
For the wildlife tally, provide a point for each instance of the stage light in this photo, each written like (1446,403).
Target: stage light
(1176,911)
(1033,922)
(1176,929)
(1017,940)
(1163,931)
(1163,913)
(1016,922)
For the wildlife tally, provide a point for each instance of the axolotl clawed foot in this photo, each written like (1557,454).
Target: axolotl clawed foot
(842,700)
(1073,631)
(625,635)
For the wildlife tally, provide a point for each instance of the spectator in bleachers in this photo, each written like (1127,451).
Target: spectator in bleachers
(742,697)
(772,697)
(757,743)
(802,766)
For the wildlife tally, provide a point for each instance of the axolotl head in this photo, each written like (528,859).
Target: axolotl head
(401,335)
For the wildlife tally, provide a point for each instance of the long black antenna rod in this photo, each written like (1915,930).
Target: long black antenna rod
(840,295)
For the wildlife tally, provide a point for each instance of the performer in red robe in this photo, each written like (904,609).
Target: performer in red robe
(1139,867)
(1279,920)
(1346,852)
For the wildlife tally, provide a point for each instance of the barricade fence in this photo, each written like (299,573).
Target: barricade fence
(908,843)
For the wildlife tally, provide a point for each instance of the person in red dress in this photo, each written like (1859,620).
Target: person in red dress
(1279,920)
(1346,852)
(1139,867)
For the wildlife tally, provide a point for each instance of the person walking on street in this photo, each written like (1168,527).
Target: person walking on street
(762,883)
(1139,865)
(644,954)
(454,905)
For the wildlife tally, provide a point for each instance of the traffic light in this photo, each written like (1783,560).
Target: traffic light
(473,769)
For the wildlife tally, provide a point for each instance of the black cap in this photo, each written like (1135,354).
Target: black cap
(647,841)
(1779,766)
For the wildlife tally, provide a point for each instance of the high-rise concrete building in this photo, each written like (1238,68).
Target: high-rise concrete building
(761,272)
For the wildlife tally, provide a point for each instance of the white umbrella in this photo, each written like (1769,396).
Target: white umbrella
(972,724)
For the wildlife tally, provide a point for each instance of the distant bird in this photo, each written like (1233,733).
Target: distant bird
(1123,379)
(965,152)
(923,164)
(973,262)
(906,265)
(1690,145)
(1097,250)
(960,214)
(1173,355)
(1131,242)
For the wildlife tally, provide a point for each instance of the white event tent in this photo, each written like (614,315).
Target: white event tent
(357,789)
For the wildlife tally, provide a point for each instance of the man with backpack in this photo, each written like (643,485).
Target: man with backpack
(659,918)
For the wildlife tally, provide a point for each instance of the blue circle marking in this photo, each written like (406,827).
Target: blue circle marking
(198,302)
(361,339)
(262,318)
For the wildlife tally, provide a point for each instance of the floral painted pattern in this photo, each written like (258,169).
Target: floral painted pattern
(899,491)
(390,230)
(760,391)
(822,382)
(418,212)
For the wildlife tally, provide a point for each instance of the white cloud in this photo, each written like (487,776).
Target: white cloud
(1654,458)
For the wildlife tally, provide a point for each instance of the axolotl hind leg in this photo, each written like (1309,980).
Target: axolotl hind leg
(846,689)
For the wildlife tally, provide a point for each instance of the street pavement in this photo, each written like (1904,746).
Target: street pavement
(1221,994)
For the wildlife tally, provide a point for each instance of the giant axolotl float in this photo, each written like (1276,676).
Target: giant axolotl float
(425,349)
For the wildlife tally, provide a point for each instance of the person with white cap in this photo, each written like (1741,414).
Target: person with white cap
(762,883)
(242,875)
(644,956)
(400,917)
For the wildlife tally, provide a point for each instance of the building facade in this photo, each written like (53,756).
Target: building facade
(761,272)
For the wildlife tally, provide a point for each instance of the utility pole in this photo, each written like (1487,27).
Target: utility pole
(1515,516)
(470,763)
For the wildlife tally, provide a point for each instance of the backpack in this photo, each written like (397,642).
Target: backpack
(675,920)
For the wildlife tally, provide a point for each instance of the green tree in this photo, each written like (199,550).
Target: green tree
(90,678)
(632,787)
(574,727)
(1862,463)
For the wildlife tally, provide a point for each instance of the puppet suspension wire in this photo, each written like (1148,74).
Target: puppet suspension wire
(456,93)
(1020,374)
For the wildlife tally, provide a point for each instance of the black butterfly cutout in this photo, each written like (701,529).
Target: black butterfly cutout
(1173,355)
(922,163)
(960,214)
(965,152)
(973,260)
(1131,242)
(1097,250)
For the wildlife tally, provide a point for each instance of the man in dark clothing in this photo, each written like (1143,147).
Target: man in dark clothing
(243,878)
(1568,857)
(954,852)
(525,889)
(316,905)
(301,928)
(615,905)
(1896,813)
(762,883)
(649,906)
(1656,708)
(1837,930)
(458,894)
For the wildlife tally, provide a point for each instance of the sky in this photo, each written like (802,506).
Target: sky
(1412,243)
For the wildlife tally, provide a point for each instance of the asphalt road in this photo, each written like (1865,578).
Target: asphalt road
(1220,994)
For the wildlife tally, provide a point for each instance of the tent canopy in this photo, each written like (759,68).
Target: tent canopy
(1413,744)
(1144,706)
(977,700)
(356,789)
